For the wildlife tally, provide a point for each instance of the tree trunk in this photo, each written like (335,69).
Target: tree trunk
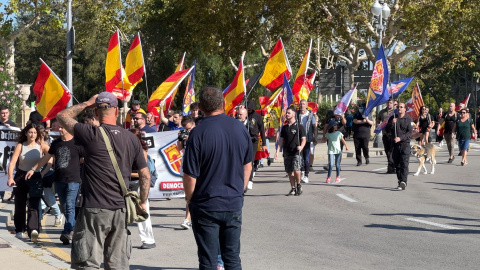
(9,52)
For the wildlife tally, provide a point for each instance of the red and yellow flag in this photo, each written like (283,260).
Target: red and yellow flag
(276,66)
(52,94)
(113,64)
(303,83)
(166,89)
(235,92)
(134,64)
(417,99)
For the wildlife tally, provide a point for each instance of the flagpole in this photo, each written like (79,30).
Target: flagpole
(143,61)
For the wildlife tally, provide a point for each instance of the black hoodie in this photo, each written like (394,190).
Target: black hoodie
(255,123)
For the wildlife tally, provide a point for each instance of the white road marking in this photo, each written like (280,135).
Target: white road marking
(434,224)
(380,169)
(346,198)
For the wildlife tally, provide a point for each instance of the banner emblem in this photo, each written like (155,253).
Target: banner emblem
(172,157)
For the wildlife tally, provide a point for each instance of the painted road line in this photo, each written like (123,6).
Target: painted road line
(433,224)
(346,198)
(60,253)
(380,169)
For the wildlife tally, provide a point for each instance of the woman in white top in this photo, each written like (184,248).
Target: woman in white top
(27,152)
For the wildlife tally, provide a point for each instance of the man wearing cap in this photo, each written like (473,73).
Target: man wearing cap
(134,108)
(292,140)
(175,123)
(101,233)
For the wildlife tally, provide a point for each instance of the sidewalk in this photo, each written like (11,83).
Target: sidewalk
(22,254)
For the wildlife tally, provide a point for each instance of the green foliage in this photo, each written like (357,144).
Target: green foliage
(10,95)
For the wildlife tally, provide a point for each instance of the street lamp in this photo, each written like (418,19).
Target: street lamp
(381,12)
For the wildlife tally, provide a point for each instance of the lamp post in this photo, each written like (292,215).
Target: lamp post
(381,12)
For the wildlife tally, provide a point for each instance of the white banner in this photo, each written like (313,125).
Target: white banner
(8,137)
(168,161)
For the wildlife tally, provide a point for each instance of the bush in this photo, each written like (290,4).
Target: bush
(10,95)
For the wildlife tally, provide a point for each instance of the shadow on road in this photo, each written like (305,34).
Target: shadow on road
(141,267)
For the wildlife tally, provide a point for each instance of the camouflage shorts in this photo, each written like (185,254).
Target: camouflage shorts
(292,163)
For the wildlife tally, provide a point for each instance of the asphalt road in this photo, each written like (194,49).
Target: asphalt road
(361,223)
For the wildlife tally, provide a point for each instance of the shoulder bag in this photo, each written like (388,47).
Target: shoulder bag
(135,213)
(35,186)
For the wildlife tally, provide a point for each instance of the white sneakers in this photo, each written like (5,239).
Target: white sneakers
(20,235)
(58,221)
(187,224)
(250,185)
(305,179)
(34,236)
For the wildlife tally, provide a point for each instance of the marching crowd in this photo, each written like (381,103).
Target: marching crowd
(76,167)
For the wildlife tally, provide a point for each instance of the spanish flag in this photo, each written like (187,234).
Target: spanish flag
(302,85)
(276,66)
(166,89)
(52,95)
(113,64)
(170,98)
(235,92)
(134,64)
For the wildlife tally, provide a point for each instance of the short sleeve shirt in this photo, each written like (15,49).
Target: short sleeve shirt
(100,186)
(292,137)
(67,160)
(217,150)
(148,129)
(334,140)
(172,126)
(12,124)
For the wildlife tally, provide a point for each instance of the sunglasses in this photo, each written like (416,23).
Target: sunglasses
(136,118)
(463,113)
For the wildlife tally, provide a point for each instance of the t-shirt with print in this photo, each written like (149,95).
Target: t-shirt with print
(100,187)
(334,140)
(292,137)
(67,160)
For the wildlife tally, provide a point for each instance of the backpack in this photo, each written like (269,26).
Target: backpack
(153,171)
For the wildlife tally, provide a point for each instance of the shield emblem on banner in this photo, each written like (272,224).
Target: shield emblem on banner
(172,157)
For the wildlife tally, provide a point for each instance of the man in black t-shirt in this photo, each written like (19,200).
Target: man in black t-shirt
(361,134)
(67,156)
(292,140)
(103,204)
(254,126)
(36,118)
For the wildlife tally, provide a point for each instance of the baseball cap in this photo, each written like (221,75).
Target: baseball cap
(108,98)
(135,102)
(332,123)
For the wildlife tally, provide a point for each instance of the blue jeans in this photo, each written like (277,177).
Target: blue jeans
(67,194)
(213,230)
(50,201)
(337,159)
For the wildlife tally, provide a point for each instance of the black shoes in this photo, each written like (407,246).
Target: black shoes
(359,163)
(147,246)
(450,160)
(367,161)
(65,238)
(293,191)
(299,190)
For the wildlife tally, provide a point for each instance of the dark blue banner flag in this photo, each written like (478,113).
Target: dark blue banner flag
(378,91)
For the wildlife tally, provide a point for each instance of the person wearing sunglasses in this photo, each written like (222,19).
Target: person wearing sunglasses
(465,129)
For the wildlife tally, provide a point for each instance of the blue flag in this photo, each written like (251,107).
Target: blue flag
(378,91)
(396,88)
